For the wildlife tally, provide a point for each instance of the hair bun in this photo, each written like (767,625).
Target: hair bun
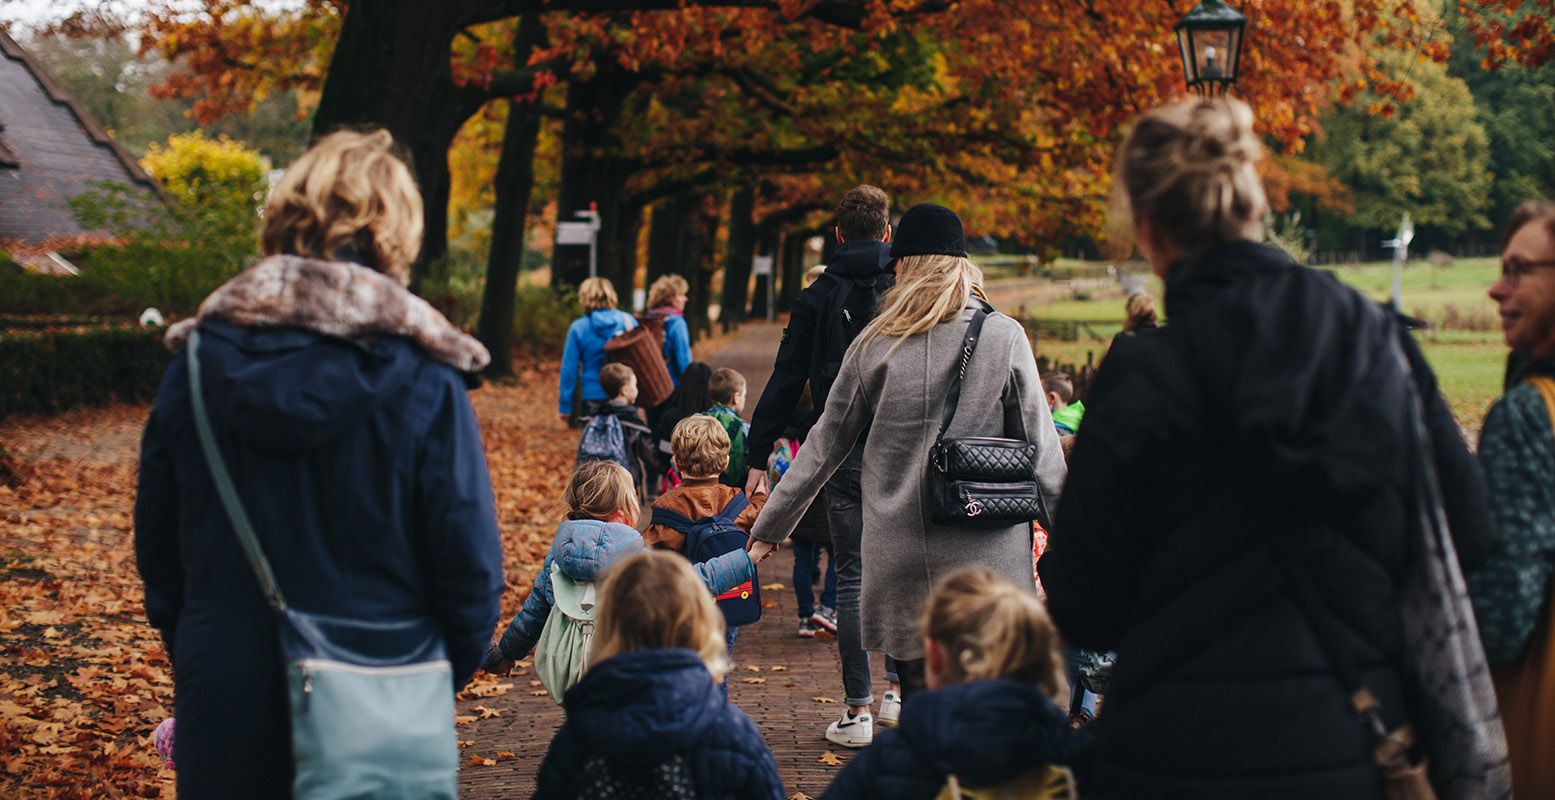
(1191,168)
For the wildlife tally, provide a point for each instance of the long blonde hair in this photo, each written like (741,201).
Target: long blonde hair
(654,600)
(930,290)
(991,628)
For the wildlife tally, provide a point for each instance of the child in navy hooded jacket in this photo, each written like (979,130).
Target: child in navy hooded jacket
(647,719)
(602,502)
(990,721)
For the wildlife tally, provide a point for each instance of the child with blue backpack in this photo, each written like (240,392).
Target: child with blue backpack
(702,518)
(616,432)
(602,510)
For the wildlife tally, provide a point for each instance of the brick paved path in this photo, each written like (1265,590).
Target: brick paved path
(777,677)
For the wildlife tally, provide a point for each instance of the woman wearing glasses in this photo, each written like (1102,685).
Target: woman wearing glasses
(1511,590)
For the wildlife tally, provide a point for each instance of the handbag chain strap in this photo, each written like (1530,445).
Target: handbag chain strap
(968,345)
(224,486)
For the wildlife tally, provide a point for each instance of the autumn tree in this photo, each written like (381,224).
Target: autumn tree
(1007,110)
(1429,157)
(1516,105)
(1511,31)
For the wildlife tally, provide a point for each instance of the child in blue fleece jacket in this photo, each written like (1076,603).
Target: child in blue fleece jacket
(602,502)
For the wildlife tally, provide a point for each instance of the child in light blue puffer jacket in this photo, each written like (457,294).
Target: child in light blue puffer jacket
(598,532)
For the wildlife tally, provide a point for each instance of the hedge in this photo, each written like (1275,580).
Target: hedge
(48,371)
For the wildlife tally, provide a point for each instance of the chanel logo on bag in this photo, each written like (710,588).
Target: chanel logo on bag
(973,507)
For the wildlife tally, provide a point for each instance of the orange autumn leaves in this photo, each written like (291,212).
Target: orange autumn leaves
(83,678)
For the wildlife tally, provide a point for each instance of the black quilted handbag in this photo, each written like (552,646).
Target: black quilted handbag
(981,481)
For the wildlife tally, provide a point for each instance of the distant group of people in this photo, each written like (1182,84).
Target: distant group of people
(1257,495)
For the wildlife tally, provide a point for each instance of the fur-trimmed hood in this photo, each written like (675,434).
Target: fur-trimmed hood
(334,298)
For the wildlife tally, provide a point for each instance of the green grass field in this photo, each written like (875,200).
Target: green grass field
(1464,344)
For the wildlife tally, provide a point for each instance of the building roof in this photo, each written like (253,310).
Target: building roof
(51,150)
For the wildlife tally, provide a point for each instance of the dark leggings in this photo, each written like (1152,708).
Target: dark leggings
(911,675)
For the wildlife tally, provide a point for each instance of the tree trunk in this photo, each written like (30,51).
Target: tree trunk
(793,267)
(700,242)
(591,174)
(666,241)
(623,262)
(390,69)
(514,183)
(737,259)
(828,244)
(765,284)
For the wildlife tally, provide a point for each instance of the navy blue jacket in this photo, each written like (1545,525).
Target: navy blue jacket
(362,469)
(985,733)
(639,710)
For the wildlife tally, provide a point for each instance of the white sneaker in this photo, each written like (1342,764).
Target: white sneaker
(890,710)
(851,731)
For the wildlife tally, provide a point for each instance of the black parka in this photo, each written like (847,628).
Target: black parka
(1273,405)
(811,350)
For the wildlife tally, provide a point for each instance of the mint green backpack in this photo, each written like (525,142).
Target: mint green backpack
(562,653)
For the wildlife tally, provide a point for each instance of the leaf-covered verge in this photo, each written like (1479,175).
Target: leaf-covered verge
(83,678)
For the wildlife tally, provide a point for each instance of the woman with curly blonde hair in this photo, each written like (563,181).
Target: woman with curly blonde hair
(339,400)
(667,302)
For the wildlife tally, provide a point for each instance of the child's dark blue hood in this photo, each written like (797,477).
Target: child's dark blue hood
(644,706)
(287,390)
(985,732)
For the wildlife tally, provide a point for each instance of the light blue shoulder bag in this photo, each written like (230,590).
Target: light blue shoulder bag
(372,702)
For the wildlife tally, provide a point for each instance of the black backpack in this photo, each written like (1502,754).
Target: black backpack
(849,307)
(710,538)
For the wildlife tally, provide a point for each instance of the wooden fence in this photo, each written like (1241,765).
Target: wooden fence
(1071,330)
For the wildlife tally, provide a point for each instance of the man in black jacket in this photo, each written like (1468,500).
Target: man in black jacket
(826,317)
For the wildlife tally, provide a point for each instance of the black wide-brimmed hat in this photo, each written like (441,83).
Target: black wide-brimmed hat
(929,230)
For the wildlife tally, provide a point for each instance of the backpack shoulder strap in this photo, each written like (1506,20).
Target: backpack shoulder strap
(734,508)
(673,519)
(1546,389)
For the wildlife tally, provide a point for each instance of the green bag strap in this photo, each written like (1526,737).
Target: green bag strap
(224,486)
(573,598)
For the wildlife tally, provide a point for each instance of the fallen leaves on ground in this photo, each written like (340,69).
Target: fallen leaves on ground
(773,587)
(84,680)
(823,699)
(830,759)
(753,680)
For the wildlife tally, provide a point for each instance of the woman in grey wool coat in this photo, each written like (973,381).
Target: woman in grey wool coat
(893,382)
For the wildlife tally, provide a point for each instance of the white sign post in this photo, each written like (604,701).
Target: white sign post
(581,233)
(1400,246)
(762,266)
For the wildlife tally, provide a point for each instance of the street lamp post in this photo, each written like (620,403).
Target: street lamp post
(1210,39)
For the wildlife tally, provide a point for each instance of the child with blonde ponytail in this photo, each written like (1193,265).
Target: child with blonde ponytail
(989,724)
(648,718)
